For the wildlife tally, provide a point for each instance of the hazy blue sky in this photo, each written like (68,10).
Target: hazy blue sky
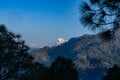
(41,22)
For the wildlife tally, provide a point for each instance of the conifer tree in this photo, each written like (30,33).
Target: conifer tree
(103,15)
(14,56)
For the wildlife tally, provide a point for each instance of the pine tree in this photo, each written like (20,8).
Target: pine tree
(63,69)
(113,73)
(103,15)
(14,56)
(37,72)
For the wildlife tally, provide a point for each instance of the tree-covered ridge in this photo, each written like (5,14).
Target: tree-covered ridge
(94,53)
(88,52)
(85,50)
(41,57)
(16,62)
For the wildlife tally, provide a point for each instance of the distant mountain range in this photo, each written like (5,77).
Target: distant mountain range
(91,56)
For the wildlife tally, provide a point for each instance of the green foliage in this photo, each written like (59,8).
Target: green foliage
(99,14)
(14,57)
(113,73)
(63,69)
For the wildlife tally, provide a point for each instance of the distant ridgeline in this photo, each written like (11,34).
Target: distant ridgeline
(88,52)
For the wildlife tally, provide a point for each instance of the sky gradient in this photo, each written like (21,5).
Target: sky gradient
(41,22)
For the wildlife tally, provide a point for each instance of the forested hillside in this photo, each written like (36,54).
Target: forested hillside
(88,52)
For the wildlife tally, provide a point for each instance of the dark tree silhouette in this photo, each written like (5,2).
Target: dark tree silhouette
(37,72)
(14,57)
(63,69)
(101,14)
(113,73)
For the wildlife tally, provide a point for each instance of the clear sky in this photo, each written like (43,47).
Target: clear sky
(41,22)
